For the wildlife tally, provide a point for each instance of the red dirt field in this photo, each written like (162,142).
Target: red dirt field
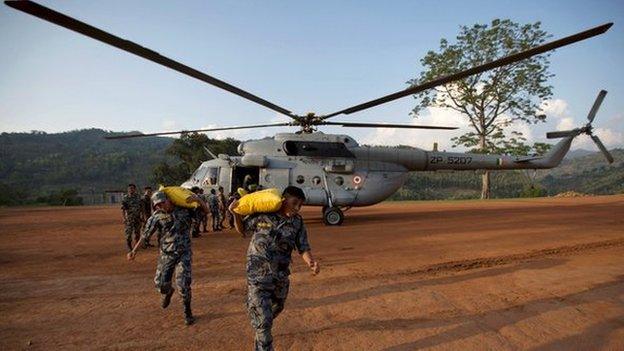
(544,274)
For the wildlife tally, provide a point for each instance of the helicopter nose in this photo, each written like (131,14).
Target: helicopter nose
(241,149)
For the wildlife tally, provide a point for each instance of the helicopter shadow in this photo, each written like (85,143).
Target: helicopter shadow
(417,284)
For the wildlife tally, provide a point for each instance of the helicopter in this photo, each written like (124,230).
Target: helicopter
(333,170)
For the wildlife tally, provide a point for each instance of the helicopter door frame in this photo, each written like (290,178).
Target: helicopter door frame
(225,177)
(236,181)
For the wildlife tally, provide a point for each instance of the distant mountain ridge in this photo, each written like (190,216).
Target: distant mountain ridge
(578,153)
(38,163)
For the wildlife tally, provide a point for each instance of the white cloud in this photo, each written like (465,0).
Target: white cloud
(169,125)
(525,129)
(422,138)
(566,123)
(555,108)
(609,137)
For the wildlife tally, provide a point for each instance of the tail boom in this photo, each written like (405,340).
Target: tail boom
(469,161)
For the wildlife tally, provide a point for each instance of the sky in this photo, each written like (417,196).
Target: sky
(319,56)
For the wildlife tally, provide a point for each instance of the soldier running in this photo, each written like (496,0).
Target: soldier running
(147,209)
(131,209)
(173,224)
(274,236)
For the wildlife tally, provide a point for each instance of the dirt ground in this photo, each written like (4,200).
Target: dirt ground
(544,274)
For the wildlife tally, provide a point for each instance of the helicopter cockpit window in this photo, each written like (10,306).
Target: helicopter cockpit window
(199,173)
(316,148)
(212,176)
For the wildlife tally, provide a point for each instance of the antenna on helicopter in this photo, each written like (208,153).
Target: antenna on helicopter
(210,152)
(307,122)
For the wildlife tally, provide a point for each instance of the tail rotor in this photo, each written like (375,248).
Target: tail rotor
(587,129)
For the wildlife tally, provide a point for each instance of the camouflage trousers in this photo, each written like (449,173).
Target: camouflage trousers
(204,221)
(265,301)
(132,225)
(215,219)
(195,229)
(181,264)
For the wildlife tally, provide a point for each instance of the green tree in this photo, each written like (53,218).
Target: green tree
(491,101)
(190,150)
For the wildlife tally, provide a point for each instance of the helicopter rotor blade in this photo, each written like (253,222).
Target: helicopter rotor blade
(385,125)
(478,69)
(128,136)
(592,113)
(562,134)
(602,148)
(70,23)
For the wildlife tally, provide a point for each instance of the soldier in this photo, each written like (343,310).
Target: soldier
(222,207)
(197,216)
(173,224)
(147,209)
(131,210)
(204,218)
(228,214)
(213,203)
(275,235)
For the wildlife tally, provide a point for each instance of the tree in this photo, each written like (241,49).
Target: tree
(491,101)
(190,150)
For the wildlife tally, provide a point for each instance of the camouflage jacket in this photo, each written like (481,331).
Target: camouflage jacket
(146,204)
(213,202)
(133,205)
(173,229)
(274,237)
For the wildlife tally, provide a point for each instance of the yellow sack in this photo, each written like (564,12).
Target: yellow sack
(263,201)
(178,196)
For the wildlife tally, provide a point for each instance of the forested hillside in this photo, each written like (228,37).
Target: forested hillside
(34,165)
(37,164)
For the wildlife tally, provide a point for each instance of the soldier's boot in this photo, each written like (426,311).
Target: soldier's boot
(188,315)
(166,298)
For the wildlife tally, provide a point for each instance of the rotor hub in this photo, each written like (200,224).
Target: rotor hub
(309,122)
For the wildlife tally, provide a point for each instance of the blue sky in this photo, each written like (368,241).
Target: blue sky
(306,56)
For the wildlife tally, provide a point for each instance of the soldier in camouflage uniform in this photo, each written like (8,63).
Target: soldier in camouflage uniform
(147,209)
(274,237)
(173,225)
(132,210)
(197,215)
(213,204)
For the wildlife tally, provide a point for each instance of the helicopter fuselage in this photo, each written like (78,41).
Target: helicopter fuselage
(334,170)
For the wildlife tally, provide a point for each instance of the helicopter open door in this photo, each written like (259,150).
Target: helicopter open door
(240,172)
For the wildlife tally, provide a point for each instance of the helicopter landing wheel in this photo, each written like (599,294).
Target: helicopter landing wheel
(333,216)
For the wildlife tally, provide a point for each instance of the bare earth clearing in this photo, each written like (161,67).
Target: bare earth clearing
(544,274)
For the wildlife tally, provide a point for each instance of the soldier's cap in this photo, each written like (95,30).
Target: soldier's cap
(158,197)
